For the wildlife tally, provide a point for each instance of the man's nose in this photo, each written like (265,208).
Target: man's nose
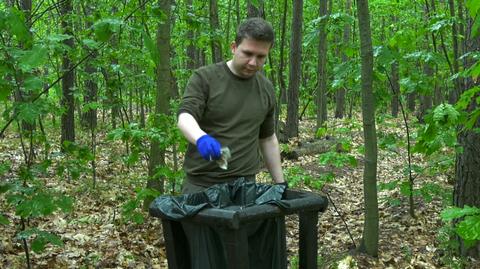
(252,61)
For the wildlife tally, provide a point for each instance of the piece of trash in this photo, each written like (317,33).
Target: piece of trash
(225,155)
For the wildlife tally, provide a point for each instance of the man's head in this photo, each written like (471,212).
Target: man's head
(251,47)
(255,28)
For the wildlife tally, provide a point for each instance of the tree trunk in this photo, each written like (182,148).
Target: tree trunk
(396,89)
(467,174)
(340,94)
(281,77)
(425,98)
(455,93)
(237,11)
(369,242)
(89,117)
(190,36)
(215,26)
(321,96)
(282,96)
(411,101)
(157,152)
(67,100)
(291,128)
(254,11)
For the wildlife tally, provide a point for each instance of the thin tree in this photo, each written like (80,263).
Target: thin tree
(254,10)
(214,26)
(370,236)
(164,84)
(67,101)
(455,93)
(291,128)
(340,94)
(321,96)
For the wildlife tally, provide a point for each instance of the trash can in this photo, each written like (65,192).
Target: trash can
(243,218)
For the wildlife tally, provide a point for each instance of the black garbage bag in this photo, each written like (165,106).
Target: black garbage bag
(204,246)
(238,193)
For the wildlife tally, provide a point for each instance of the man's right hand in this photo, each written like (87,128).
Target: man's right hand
(209,147)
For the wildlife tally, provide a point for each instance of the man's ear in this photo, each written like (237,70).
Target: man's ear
(233,47)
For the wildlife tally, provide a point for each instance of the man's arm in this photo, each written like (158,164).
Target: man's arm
(189,127)
(271,154)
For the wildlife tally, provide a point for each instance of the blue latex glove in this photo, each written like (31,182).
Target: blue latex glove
(209,147)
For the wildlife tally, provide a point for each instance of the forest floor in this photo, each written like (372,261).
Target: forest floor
(95,236)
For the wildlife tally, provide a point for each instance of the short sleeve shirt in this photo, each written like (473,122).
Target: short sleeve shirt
(236,111)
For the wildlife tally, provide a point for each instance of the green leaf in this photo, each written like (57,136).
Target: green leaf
(405,188)
(33,58)
(4,168)
(41,204)
(42,239)
(90,43)
(28,112)
(5,90)
(137,218)
(455,212)
(16,21)
(152,48)
(476,28)
(105,28)
(472,119)
(33,83)
(473,6)
(65,203)
(466,97)
(469,228)
(147,192)
(4,220)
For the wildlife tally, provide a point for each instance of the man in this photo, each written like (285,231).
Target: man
(231,104)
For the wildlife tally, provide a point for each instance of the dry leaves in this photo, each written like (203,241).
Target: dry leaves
(95,237)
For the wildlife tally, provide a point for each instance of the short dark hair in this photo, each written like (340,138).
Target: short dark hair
(255,28)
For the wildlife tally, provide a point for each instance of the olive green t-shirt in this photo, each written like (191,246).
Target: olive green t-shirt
(237,112)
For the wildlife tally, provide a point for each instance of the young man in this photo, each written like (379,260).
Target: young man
(231,104)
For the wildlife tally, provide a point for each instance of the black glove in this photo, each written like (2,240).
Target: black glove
(285,184)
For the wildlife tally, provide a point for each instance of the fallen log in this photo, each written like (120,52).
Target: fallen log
(311,148)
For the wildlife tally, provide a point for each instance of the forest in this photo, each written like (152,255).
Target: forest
(377,109)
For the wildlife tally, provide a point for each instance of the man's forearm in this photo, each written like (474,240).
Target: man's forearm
(271,154)
(189,127)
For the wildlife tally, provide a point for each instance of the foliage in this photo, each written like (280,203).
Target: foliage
(427,191)
(439,130)
(131,210)
(297,176)
(337,159)
(34,200)
(75,160)
(467,223)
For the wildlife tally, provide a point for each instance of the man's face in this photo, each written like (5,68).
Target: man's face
(249,56)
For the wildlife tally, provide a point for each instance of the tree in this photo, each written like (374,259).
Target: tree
(164,80)
(215,26)
(255,11)
(370,228)
(67,102)
(340,94)
(321,98)
(467,175)
(291,128)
